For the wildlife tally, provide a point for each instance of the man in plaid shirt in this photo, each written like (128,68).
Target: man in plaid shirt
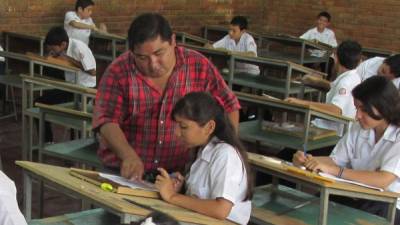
(136,95)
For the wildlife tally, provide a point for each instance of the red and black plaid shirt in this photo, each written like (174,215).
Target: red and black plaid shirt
(126,97)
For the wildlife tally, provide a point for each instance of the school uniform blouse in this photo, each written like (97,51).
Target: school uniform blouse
(218,172)
(9,211)
(80,34)
(327,36)
(357,150)
(81,52)
(245,44)
(340,95)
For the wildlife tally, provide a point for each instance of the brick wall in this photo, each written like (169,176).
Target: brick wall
(373,23)
(184,15)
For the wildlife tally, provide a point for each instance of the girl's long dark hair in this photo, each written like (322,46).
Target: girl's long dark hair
(201,107)
(380,93)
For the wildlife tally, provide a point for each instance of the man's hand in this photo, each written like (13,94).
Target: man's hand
(132,168)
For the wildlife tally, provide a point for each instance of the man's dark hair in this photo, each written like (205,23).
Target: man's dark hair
(56,36)
(325,14)
(349,54)
(240,21)
(380,93)
(147,27)
(83,4)
(394,64)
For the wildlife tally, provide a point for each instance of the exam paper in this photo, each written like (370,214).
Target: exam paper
(132,184)
(349,181)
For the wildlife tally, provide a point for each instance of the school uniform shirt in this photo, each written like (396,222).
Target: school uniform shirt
(327,36)
(370,68)
(9,211)
(81,52)
(75,33)
(340,95)
(245,44)
(218,172)
(357,150)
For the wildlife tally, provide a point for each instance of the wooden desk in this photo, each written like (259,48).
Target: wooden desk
(186,38)
(251,130)
(300,46)
(114,39)
(111,202)
(80,108)
(260,163)
(264,81)
(214,33)
(372,52)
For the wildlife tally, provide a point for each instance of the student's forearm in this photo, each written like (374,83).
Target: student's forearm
(234,118)
(79,25)
(116,140)
(219,208)
(381,179)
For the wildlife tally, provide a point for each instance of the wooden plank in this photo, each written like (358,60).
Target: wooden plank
(61,109)
(43,80)
(297,105)
(115,202)
(53,61)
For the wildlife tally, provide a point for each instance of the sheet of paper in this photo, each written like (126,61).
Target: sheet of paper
(349,181)
(125,182)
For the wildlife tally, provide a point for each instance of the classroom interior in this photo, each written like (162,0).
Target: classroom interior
(275,25)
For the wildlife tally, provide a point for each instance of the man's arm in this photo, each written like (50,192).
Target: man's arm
(234,118)
(131,166)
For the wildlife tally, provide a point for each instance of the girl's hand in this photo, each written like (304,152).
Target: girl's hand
(178,180)
(316,164)
(165,185)
(299,158)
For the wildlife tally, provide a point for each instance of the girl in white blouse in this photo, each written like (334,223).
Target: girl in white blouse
(218,184)
(370,151)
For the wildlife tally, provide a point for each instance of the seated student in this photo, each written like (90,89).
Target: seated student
(387,67)
(157,218)
(339,98)
(369,152)
(321,33)
(239,41)
(79,24)
(9,210)
(74,51)
(218,184)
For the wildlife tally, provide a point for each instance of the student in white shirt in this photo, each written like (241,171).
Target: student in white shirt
(79,23)
(74,51)
(387,67)
(9,210)
(339,98)
(369,152)
(238,40)
(218,184)
(322,33)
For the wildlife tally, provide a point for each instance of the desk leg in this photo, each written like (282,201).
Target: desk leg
(323,207)
(391,212)
(27,196)
(127,219)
